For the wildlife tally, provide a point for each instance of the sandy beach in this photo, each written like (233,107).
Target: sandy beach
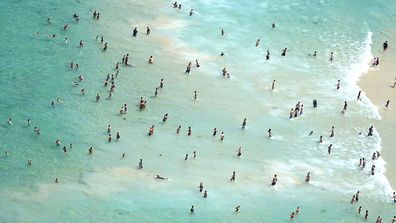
(377,83)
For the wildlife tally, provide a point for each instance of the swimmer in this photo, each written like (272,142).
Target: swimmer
(273,85)
(267,57)
(197,64)
(273,25)
(29,162)
(56,180)
(366,215)
(331,57)
(205,195)
(357,196)
(109,129)
(105,47)
(257,42)
(222,54)
(81,43)
(66,40)
(274,180)
(6,153)
(90,151)
(151,60)
(195,95)
(308,177)
(148,30)
(160,178)
(269,133)
(338,84)
(178,129)
(194,154)
(186,157)
(123,155)
(65,150)
(360,209)
(97,97)
(297,210)
(222,32)
(192,209)
(83,91)
(321,139)
(237,208)
(110,138)
(310,133)
(9,122)
(191,12)
(244,123)
(151,130)
(57,142)
(292,216)
(118,136)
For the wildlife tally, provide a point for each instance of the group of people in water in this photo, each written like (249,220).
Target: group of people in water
(294,113)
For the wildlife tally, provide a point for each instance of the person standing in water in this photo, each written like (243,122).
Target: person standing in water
(244,123)
(239,154)
(385,46)
(232,179)
(358,96)
(308,177)
(329,148)
(331,56)
(273,85)
(274,180)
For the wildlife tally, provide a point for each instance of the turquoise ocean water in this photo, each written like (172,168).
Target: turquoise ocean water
(34,70)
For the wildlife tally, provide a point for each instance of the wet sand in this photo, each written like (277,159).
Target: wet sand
(377,84)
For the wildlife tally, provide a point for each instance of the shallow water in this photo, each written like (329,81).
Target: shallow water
(106,188)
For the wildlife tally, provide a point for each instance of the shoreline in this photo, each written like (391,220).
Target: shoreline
(377,83)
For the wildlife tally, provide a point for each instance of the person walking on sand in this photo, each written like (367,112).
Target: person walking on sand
(387,104)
